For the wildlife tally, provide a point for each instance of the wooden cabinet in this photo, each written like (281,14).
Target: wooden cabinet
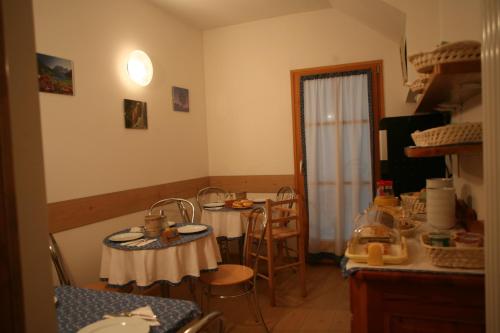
(411,302)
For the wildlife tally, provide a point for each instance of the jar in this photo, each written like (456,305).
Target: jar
(384,188)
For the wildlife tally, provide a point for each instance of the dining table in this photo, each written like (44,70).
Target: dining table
(172,261)
(227,222)
(77,308)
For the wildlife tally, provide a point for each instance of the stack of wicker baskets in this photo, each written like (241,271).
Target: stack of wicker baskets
(424,62)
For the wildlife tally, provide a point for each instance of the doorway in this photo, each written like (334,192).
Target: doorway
(336,110)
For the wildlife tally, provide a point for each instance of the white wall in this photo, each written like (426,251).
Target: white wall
(247,76)
(461,20)
(87,149)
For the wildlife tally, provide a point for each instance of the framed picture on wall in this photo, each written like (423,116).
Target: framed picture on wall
(55,75)
(404,61)
(136,114)
(180,99)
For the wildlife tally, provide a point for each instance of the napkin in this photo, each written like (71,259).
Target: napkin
(144,312)
(140,242)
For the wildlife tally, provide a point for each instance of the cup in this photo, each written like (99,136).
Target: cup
(152,225)
(438,182)
(441,207)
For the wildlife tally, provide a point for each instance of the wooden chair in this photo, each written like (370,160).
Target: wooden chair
(63,278)
(283,223)
(244,275)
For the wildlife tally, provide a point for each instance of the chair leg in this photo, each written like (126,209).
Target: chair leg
(270,270)
(302,265)
(165,289)
(226,245)
(257,307)
(192,289)
(252,308)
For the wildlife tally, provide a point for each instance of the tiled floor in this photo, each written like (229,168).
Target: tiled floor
(325,309)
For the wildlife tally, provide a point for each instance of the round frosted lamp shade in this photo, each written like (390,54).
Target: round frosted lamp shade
(140,68)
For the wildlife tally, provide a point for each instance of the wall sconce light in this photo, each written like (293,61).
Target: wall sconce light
(140,68)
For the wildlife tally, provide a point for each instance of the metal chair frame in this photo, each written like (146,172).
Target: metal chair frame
(206,321)
(182,204)
(55,255)
(250,286)
(210,190)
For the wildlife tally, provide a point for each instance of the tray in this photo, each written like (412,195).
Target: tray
(398,255)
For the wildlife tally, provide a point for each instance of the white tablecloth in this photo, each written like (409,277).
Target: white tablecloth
(225,223)
(170,264)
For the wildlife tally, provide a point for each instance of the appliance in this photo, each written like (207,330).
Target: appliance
(409,174)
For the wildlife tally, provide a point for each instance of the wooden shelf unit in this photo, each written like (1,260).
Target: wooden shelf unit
(452,83)
(465,148)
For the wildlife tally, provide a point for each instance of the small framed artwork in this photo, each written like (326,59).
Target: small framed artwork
(136,114)
(55,75)
(180,99)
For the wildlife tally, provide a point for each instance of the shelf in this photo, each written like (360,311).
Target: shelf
(465,148)
(452,83)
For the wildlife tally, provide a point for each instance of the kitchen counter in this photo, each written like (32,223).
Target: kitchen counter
(416,296)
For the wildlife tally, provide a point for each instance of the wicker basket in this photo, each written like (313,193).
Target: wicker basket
(453,52)
(417,204)
(418,85)
(449,134)
(463,257)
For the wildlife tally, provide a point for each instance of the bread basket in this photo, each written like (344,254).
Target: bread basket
(449,134)
(424,62)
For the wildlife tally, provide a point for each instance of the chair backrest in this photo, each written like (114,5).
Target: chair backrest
(186,208)
(55,255)
(281,213)
(285,193)
(205,322)
(254,238)
(212,194)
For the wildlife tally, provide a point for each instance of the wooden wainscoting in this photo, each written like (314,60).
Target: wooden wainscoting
(69,214)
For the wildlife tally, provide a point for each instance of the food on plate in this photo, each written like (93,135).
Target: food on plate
(244,203)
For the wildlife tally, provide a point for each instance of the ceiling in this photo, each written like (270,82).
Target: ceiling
(209,14)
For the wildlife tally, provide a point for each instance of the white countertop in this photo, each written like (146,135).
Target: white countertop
(418,261)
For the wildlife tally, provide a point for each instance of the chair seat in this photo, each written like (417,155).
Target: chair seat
(227,275)
(280,233)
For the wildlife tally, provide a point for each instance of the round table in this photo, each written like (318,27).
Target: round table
(158,261)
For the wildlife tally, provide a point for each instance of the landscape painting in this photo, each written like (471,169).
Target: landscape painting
(136,114)
(55,75)
(180,98)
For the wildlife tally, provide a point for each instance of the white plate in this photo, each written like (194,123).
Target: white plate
(213,208)
(213,204)
(117,325)
(171,223)
(259,200)
(126,236)
(191,229)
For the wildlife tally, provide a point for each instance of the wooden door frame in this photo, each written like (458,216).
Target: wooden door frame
(11,302)
(377,94)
